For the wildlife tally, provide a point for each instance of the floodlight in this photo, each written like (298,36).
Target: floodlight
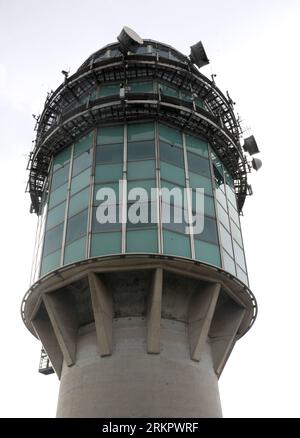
(129,40)
(250,145)
(256,163)
(198,55)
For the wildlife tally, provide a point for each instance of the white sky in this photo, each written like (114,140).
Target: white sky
(254,50)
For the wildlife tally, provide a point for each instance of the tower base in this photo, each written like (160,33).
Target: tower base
(139,336)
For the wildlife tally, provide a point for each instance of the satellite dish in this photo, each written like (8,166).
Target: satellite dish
(256,163)
(198,55)
(250,145)
(129,40)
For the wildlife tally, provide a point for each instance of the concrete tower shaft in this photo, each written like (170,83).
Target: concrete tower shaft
(138,318)
(139,337)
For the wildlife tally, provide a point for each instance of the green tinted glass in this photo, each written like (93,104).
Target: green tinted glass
(144,169)
(60,177)
(75,251)
(53,239)
(170,135)
(51,262)
(58,196)
(176,244)
(56,215)
(77,226)
(61,158)
(108,172)
(142,241)
(140,87)
(140,131)
(172,173)
(199,181)
(106,243)
(168,91)
(83,144)
(109,90)
(196,145)
(79,201)
(110,134)
(207,252)
(113,185)
(144,184)
(197,204)
(80,181)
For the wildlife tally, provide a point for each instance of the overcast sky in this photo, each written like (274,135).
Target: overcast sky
(253,47)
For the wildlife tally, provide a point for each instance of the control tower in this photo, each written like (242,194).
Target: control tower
(138,318)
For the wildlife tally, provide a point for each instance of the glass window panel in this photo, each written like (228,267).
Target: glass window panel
(60,177)
(83,144)
(168,91)
(77,226)
(199,102)
(56,215)
(97,227)
(236,234)
(51,262)
(142,241)
(174,57)
(199,181)
(223,216)
(75,251)
(196,145)
(141,87)
(80,181)
(108,172)
(177,199)
(172,173)
(187,96)
(221,198)
(176,244)
(82,162)
(198,165)
(145,213)
(242,275)
(170,135)
(231,196)
(140,131)
(228,178)
(163,52)
(233,214)
(229,264)
(109,90)
(112,153)
(61,159)
(207,252)
(58,196)
(142,50)
(79,201)
(138,170)
(141,150)
(53,239)
(239,255)
(171,154)
(110,134)
(106,243)
(170,213)
(226,240)
(209,232)
(147,184)
(209,205)
(112,185)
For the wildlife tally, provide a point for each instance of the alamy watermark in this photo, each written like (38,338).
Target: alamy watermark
(137,207)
